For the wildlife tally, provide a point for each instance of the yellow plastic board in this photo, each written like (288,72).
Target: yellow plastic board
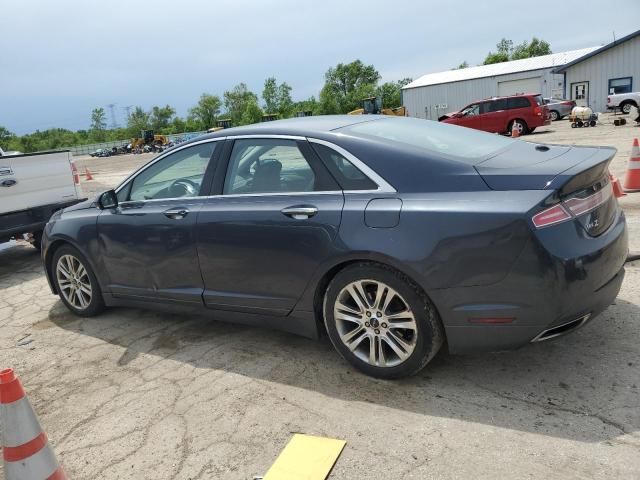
(306,458)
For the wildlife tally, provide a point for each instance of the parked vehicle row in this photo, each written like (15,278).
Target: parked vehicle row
(394,235)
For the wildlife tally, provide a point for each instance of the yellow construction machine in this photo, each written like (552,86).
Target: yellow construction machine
(373,106)
(148,138)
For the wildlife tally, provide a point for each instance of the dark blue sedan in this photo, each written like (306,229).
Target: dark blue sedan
(393,235)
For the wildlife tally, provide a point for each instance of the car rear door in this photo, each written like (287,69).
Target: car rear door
(147,243)
(272,222)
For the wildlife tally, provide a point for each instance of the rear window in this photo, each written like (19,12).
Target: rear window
(464,143)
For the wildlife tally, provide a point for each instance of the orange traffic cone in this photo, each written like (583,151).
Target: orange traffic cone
(25,449)
(632,177)
(88,174)
(617,189)
(515,133)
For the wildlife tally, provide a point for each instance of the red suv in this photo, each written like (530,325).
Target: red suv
(500,114)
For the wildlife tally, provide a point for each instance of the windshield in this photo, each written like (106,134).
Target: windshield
(464,143)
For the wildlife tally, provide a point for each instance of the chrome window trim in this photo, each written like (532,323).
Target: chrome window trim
(383,185)
(266,137)
(160,157)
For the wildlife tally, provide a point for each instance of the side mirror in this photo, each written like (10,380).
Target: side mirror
(108,199)
(458,115)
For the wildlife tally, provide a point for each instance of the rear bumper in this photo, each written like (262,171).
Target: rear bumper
(546,289)
(31,220)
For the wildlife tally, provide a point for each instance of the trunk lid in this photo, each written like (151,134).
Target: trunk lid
(576,177)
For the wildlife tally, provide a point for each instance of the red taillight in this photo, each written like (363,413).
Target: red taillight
(572,207)
(551,216)
(578,206)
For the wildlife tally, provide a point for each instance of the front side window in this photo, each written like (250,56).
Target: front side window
(268,166)
(620,85)
(177,175)
(471,110)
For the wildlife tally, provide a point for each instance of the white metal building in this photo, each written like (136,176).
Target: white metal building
(614,68)
(436,93)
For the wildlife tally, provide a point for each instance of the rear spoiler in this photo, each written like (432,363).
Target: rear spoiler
(585,173)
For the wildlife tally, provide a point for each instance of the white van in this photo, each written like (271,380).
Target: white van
(32,187)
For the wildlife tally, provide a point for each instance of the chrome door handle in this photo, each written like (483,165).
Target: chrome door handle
(176,213)
(300,212)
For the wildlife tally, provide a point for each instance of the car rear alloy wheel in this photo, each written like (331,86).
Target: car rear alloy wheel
(75,282)
(375,323)
(380,321)
(554,115)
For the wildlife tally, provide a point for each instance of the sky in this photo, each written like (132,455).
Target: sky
(60,59)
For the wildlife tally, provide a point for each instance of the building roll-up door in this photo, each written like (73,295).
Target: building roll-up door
(524,85)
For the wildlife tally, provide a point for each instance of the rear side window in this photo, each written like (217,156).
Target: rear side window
(539,100)
(519,102)
(346,173)
(497,105)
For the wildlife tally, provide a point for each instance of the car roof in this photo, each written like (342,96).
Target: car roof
(302,126)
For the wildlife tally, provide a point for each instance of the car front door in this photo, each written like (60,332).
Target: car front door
(273,221)
(148,242)
(471,117)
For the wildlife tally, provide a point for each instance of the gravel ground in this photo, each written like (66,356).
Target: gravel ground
(134,394)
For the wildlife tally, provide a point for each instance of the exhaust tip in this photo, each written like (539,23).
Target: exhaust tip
(561,329)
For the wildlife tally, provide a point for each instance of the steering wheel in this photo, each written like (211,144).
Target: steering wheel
(183,187)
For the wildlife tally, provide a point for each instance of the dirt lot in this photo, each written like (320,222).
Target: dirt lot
(135,394)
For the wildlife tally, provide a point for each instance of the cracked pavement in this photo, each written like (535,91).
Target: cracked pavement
(140,394)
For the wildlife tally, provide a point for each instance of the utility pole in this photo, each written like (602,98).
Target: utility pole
(111,107)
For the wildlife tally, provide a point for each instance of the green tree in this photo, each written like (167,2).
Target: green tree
(346,85)
(236,101)
(391,92)
(534,48)
(98,119)
(270,95)
(5,137)
(206,112)
(308,105)
(138,121)
(461,66)
(506,51)
(252,113)
(160,117)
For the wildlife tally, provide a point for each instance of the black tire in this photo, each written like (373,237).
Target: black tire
(429,333)
(625,107)
(96,303)
(555,115)
(531,130)
(524,129)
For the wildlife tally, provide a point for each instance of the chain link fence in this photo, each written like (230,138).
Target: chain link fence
(92,147)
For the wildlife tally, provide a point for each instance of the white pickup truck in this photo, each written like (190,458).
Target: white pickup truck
(32,187)
(623,101)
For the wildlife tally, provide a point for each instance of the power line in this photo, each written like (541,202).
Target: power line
(111,107)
